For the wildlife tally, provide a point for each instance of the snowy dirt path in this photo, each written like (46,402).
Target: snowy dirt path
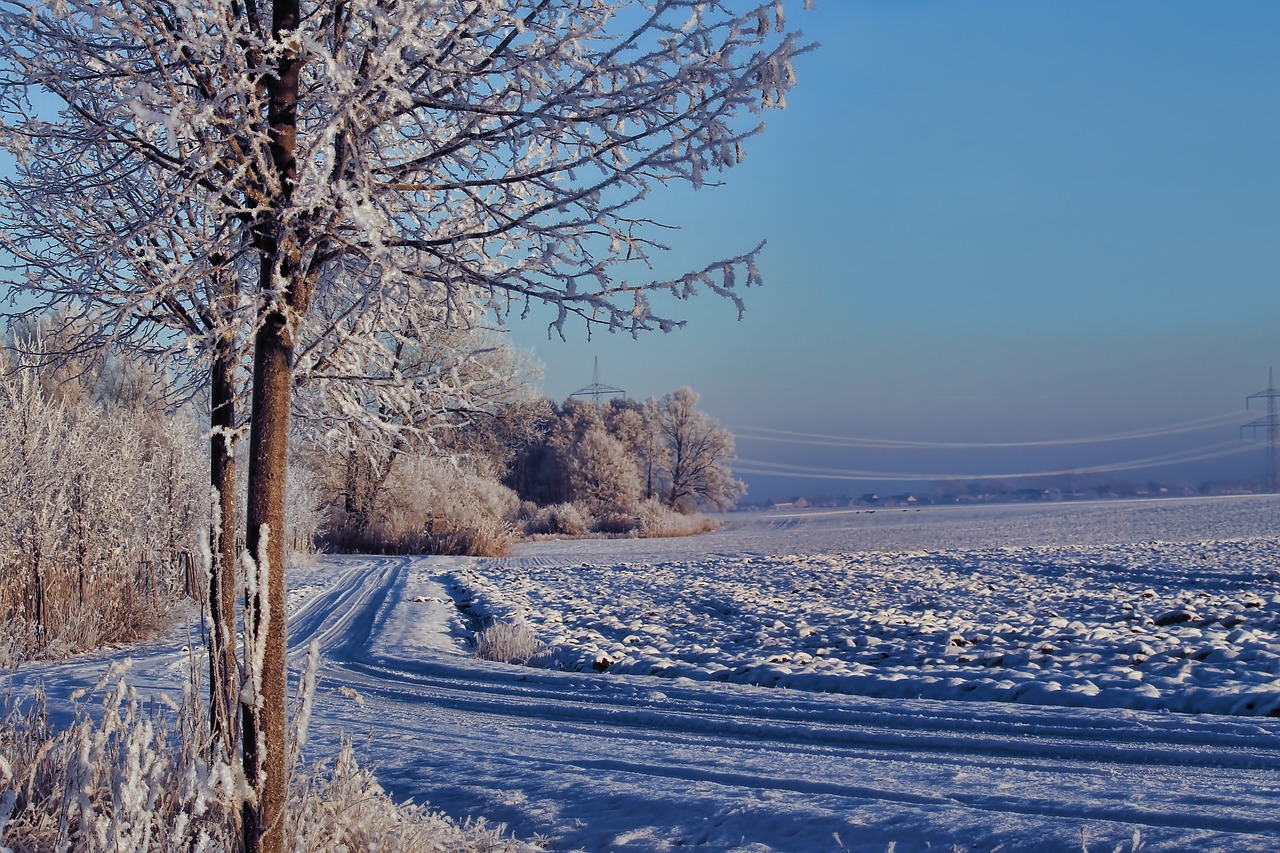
(591,761)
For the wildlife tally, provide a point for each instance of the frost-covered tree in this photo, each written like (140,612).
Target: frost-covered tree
(480,155)
(411,391)
(496,443)
(575,418)
(633,424)
(698,450)
(602,475)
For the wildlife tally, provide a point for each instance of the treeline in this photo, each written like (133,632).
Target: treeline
(106,505)
(105,502)
(99,501)
(533,468)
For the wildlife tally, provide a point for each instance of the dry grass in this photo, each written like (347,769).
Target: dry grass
(659,521)
(651,519)
(563,519)
(131,777)
(511,642)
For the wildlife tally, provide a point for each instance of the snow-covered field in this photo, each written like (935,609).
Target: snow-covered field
(1040,677)
(1189,627)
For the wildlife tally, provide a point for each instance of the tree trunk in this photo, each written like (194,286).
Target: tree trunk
(359,487)
(364,479)
(264,717)
(37,593)
(223,678)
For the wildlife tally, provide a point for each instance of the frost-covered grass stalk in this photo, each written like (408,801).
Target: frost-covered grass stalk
(305,701)
(122,778)
(346,809)
(132,777)
(511,642)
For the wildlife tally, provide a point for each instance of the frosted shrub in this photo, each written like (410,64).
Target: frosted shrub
(432,507)
(649,519)
(563,519)
(98,507)
(511,642)
(138,780)
(655,519)
(616,524)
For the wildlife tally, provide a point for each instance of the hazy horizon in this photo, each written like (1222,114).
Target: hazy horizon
(987,222)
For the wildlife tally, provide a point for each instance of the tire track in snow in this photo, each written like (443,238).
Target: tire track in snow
(1037,808)
(343,617)
(946,761)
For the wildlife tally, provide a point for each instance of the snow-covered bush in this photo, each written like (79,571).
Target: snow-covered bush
(130,778)
(563,519)
(648,519)
(305,499)
(433,507)
(98,510)
(655,520)
(617,524)
(511,642)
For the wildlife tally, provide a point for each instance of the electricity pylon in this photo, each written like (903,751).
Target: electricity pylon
(595,390)
(1271,423)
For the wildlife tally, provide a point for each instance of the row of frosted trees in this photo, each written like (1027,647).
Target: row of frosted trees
(529,466)
(99,501)
(611,458)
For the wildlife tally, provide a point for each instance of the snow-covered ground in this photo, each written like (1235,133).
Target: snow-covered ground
(1036,677)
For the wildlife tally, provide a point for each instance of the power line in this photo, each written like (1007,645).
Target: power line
(1271,423)
(792,437)
(776,469)
(596,390)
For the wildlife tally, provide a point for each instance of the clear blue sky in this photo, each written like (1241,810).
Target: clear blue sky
(995,220)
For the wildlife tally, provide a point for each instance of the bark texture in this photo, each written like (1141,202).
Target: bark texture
(265,716)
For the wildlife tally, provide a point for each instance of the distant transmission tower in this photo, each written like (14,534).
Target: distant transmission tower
(595,390)
(1271,423)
